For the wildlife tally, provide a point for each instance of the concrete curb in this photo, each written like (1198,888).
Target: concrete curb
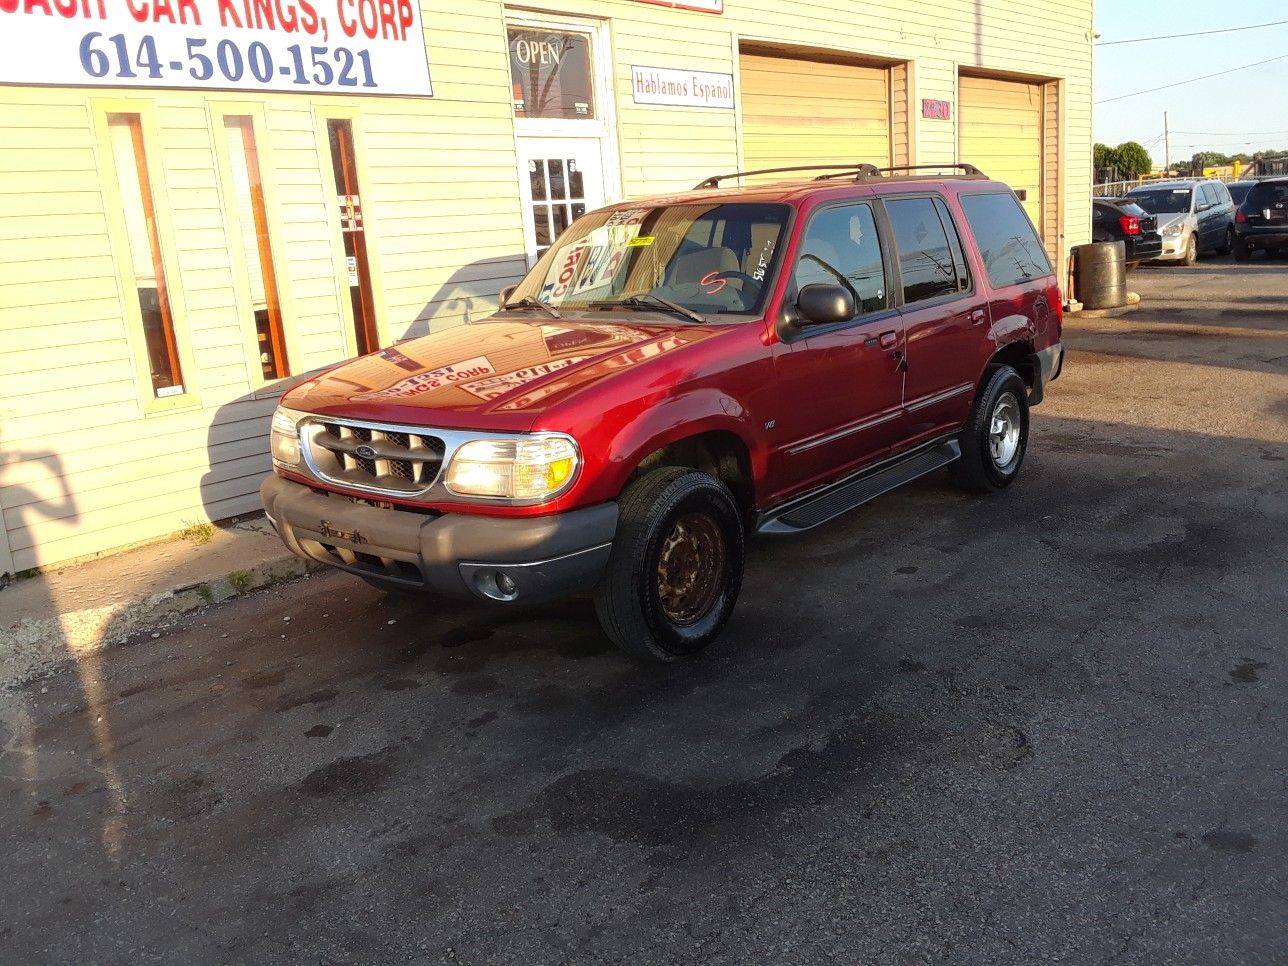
(34,647)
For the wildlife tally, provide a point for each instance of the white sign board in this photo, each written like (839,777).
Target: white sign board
(679,88)
(310,46)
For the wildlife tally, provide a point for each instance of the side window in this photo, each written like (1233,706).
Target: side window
(1007,242)
(126,133)
(925,260)
(841,247)
(1223,194)
(1209,195)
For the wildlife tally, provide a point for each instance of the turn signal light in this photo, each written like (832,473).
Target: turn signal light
(1240,217)
(1131,224)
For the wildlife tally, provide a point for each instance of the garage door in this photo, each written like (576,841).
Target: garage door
(813,112)
(1001,134)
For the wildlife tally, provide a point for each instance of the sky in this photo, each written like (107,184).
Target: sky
(1243,111)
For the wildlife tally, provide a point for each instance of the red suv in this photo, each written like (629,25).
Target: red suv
(673,374)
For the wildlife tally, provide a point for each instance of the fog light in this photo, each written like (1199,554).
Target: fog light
(505,584)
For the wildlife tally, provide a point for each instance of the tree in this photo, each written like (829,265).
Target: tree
(1208,159)
(1103,156)
(1132,160)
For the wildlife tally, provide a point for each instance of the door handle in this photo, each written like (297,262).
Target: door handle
(888,339)
(977,316)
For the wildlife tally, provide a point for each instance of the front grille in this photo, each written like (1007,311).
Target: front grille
(389,460)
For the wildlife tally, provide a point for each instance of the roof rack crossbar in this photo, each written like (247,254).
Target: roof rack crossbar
(869,170)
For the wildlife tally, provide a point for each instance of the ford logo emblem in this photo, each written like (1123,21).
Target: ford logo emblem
(366,452)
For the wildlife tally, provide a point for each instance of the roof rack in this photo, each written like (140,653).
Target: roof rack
(968,170)
(859,173)
(714,181)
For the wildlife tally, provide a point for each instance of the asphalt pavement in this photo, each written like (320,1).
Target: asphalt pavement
(1045,726)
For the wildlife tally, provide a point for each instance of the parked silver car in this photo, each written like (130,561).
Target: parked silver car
(1195,216)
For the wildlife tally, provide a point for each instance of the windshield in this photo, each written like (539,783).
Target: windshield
(1163,201)
(714,259)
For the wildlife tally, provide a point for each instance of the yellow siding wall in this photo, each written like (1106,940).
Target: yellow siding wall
(88,461)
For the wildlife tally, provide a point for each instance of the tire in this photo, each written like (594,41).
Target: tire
(1191,256)
(1227,246)
(1004,397)
(691,518)
(1242,253)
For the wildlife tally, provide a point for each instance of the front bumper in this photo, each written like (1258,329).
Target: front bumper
(504,559)
(1173,248)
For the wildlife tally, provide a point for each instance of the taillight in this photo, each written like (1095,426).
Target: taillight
(1240,217)
(1131,224)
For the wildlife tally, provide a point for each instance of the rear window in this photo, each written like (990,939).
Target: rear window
(1007,242)
(1127,208)
(1266,194)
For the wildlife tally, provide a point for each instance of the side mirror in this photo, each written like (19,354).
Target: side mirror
(825,304)
(505,294)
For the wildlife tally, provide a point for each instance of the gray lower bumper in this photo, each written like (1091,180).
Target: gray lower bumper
(1047,364)
(457,554)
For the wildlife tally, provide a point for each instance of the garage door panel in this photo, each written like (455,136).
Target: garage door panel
(810,112)
(1002,134)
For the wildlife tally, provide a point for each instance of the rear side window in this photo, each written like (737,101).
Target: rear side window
(1210,196)
(1007,242)
(926,260)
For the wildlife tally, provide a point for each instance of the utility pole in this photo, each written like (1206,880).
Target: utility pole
(1167,147)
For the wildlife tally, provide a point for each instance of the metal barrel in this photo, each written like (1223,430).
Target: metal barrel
(1100,274)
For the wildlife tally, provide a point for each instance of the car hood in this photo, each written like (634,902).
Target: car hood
(1165,220)
(490,374)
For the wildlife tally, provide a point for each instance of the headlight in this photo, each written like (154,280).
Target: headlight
(524,468)
(1175,228)
(285,437)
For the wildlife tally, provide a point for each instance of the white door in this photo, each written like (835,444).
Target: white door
(560,179)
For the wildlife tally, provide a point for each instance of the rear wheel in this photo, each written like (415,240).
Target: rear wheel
(1242,253)
(676,565)
(1228,244)
(996,436)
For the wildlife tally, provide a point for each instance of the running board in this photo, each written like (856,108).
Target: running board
(836,498)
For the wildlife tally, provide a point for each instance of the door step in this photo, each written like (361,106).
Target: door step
(836,498)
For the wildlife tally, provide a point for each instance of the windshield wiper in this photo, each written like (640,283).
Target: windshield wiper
(651,300)
(528,302)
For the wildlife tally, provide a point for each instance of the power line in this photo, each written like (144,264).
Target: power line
(1231,134)
(1192,80)
(1198,33)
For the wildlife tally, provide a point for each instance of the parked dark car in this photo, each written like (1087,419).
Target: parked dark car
(1117,219)
(1195,216)
(1261,223)
(1239,191)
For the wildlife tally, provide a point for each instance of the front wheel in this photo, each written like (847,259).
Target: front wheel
(996,436)
(676,565)
(1191,257)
